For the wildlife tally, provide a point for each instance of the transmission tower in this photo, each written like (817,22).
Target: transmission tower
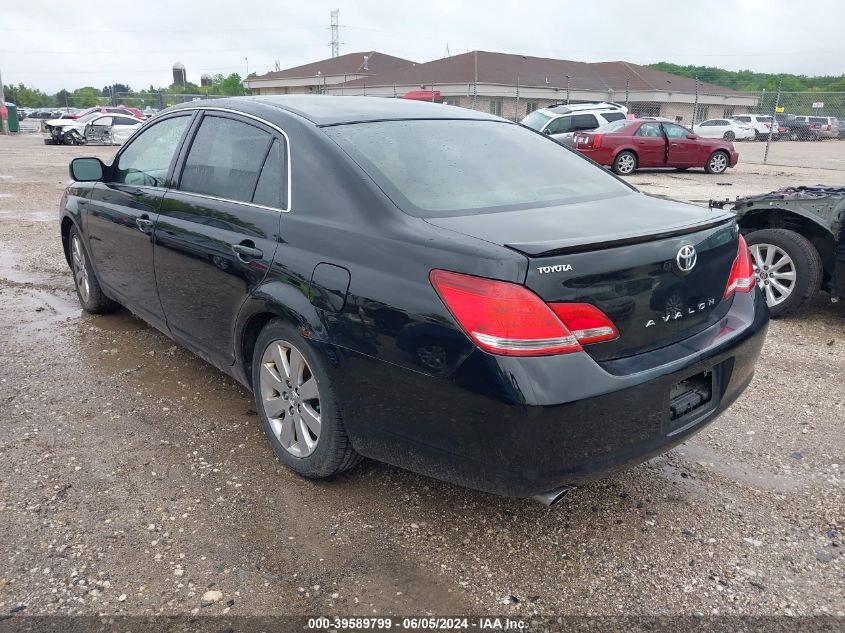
(335,34)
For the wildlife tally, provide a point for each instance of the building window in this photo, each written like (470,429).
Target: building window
(530,106)
(729,112)
(496,107)
(701,113)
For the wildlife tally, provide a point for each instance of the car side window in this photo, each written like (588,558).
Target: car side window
(104,121)
(122,120)
(613,116)
(561,125)
(584,122)
(675,131)
(271,190)
(146,160)
(649,129)
(707,123)
(225,159)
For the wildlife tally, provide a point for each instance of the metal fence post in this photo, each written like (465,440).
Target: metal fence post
(516,112)
(626,93)
(695,105)
(774,122)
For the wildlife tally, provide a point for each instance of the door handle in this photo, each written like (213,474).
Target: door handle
(144,223)
(247,252)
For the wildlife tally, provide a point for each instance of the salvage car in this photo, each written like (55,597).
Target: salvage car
(797,241)
(437,288)
(628,145)
(94,128)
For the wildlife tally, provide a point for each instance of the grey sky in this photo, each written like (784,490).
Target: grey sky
(53,45)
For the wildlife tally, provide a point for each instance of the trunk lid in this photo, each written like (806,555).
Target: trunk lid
(622,255)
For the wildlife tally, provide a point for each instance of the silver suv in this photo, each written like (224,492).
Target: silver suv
(561,121)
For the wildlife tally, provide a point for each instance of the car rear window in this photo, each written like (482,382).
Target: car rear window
(818,119)
(435,168)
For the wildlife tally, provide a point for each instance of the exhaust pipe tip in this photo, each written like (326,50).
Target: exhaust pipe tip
(552,497)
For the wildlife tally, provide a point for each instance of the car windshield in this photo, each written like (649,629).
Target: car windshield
(536,120)
(613,126)
(448,167)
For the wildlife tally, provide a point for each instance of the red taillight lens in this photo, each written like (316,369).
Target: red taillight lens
(587,323)
(742,272)
(597,140)
(508,319)
(501,317)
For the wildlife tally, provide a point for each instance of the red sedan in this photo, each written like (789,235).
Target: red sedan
(626,146)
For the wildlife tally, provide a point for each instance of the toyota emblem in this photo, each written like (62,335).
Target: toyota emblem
(686,258)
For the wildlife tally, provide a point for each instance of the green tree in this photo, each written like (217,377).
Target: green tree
(85,97)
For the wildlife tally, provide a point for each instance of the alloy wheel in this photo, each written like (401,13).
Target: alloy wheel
(80,270)
(718,163)
(626,164)
(775,272)
(290,397)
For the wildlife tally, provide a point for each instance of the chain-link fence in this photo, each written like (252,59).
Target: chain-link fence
(797,129)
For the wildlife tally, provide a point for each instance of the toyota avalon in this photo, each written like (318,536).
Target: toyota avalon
(425,285)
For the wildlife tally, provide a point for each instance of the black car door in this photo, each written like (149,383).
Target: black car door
(218,228)
(122,213)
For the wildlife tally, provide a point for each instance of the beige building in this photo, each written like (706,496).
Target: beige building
(509,85)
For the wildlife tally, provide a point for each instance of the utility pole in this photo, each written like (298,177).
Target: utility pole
(475,83)
(335,33)
(567,89)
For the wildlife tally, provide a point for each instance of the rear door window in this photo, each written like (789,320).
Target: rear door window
(225,159)
(584,122)
(561,125)
(271,190)
(649,129)
(613,116)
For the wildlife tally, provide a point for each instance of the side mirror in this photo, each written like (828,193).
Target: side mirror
(691,136)
(87,169)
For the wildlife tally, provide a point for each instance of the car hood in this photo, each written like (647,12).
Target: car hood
(614,220)
(64,123)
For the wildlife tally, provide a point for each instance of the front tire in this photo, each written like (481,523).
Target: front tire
(297,404)
(788,269)
(625,163)
(717,163)
(88,289)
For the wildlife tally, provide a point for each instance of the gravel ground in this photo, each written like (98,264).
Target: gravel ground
(134,477)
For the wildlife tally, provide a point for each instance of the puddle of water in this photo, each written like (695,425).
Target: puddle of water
(35,216)
(7,195)
(8,269)
(5,177)
(122,321)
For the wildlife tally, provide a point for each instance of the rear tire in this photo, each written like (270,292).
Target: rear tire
(625,163)
(794,264)
(88,289)
(729,136)
(297,404)
(717,163)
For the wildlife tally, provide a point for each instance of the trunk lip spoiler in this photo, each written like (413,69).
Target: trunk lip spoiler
(582,247)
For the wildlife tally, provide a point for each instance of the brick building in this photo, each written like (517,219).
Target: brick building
(509,85)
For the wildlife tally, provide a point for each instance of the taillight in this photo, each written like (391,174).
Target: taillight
(597,140)
(508,319)
(742,271)
(587,323)
(829,127)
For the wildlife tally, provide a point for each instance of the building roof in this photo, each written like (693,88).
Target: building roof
(503,68)
(334,110)
(349,64)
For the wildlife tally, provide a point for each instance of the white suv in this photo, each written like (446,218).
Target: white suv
(760,122)
(561,121)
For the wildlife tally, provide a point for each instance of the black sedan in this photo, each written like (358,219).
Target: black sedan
(421,284)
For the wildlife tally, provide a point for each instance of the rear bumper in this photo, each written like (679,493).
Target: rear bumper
(520,427)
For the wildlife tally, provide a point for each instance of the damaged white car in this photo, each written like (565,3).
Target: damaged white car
(96,128)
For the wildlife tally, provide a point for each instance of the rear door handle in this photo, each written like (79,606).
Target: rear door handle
(246,252)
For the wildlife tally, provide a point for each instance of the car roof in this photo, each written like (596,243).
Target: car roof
(335,110)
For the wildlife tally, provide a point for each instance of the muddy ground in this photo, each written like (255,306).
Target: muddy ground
(134,477)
